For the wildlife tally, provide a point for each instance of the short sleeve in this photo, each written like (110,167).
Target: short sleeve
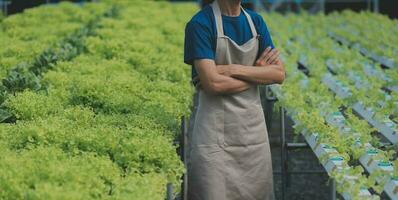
(265,36)
(198,43)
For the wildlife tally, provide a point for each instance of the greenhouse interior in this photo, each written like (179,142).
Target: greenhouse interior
(199,99)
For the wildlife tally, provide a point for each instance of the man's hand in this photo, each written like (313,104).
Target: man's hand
(268,57)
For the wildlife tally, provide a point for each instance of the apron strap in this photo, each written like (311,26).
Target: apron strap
(218,20)
(251,24)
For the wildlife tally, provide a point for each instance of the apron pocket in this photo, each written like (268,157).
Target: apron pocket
(244,127)
(207,128)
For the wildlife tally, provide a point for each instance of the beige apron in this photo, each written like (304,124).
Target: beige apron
(230,157)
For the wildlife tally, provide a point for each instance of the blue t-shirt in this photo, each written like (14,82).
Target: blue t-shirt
(201,34)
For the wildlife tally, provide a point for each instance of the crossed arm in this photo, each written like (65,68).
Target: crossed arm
(233,78)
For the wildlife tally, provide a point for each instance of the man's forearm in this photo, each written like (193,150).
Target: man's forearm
(278,66)
(259,75)
(229,85)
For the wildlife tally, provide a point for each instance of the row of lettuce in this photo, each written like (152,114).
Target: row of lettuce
(101,124)
(33,31)
(374,35)
(361,163)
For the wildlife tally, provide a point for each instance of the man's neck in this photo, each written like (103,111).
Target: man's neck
(230,7)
